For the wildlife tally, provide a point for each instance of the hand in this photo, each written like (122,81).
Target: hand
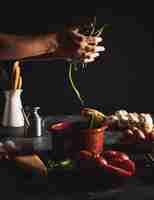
(78,47)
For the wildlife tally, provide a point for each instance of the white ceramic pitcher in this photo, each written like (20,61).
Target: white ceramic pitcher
(13,114)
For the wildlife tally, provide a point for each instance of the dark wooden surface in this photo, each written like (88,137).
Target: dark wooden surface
(18,184)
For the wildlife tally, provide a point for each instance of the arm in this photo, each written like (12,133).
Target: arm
(62,45)
(19,47)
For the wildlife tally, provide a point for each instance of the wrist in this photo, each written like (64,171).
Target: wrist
(51,43)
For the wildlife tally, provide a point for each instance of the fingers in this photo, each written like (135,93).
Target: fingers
(93,40)
(100,48)
(79,47)
(90,53)
(91,48)
(88,57)
(86,40)
(86,60)
(88,43)
(87,47)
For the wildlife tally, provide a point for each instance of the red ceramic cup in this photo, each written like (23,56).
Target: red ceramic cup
(91,139)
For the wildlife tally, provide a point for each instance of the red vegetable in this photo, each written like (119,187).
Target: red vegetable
(83,154)
(115,169)
(119,163)
(115,154)
(115,162)
(60,126)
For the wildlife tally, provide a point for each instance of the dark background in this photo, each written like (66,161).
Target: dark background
(121,78)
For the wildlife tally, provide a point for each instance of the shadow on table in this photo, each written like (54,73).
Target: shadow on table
(20,184)
(23,182)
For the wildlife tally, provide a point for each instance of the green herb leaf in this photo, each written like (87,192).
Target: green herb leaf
(93,26)
(92,121)
(101,30)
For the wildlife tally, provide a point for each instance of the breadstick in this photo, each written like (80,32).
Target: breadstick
(20,83)
(15,75)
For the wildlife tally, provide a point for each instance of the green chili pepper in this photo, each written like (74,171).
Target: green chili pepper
(66,162)
(92,120)
(60,165)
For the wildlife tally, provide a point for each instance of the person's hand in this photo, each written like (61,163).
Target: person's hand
(77,47)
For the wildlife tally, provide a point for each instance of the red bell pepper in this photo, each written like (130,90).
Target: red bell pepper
(118,163)
(115,162)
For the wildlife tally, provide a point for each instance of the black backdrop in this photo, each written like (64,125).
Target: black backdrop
(122,78)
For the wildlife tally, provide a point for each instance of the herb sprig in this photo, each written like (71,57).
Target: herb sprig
(74,65)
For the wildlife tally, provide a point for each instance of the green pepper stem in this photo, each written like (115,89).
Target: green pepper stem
(92,120)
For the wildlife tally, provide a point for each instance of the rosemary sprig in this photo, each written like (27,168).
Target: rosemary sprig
(71,66)
(93,26)
(93,32)
(100,31)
